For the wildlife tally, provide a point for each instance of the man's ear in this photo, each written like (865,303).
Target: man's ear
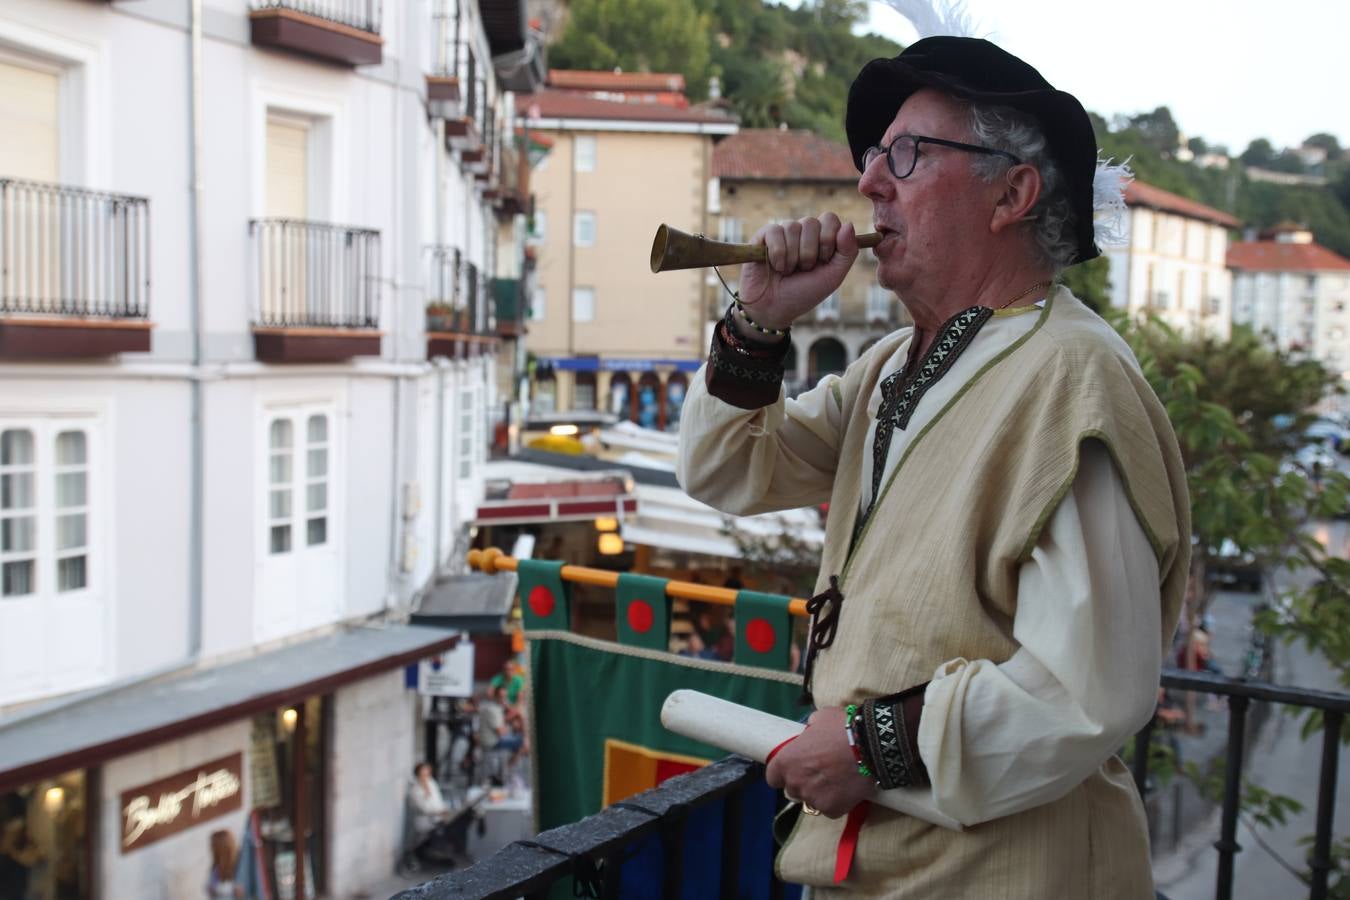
(1021,190)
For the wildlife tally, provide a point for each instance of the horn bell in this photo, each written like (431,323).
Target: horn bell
(674,249)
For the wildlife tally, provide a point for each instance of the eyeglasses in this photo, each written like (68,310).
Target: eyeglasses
(902,154)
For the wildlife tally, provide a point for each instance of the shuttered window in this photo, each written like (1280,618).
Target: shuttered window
(29,106)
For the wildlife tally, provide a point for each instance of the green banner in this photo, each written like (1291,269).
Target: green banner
(642,611)
(596,715)
(545,599)
(763,630)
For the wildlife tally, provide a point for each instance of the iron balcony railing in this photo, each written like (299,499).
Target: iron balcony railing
(590,850)
(311,274)
(71,252)
(363,15)
(449,53)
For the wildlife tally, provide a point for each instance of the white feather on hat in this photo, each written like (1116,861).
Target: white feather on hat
(934,18)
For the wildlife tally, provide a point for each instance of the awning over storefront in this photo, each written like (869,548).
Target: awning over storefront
(103,725)
(476,603)
(522,493)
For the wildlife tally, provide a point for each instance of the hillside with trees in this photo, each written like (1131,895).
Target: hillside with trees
(781,66)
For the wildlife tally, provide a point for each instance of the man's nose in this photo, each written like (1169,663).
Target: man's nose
(875,181)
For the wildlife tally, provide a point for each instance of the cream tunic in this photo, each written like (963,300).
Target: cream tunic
(1079,673)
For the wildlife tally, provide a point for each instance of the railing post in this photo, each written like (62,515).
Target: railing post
(1227,844)
(1326,803)
(731,843)
(1143,742)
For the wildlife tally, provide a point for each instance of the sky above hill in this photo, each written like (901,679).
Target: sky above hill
(1230,70)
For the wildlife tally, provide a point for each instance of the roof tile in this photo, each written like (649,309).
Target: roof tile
(777,154)
(1138,193)
(1279,256)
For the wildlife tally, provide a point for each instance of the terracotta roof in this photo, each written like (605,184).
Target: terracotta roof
(771,153)
(580,80)
(553,104)
(1137,193)
(1278,256)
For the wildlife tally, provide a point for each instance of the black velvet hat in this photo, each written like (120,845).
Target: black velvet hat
(975,69)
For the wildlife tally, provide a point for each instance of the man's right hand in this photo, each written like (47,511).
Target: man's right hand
(807,262)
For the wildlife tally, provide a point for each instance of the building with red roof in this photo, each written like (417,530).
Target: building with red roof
(628,153)
(765,175)
(1295,290)
(1173,262)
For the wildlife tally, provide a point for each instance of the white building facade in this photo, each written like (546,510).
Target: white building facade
(230,427)
(1173,261)
(1296,292)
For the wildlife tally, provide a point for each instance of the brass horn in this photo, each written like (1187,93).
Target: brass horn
(673,249)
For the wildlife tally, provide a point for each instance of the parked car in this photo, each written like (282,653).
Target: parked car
(1233,568)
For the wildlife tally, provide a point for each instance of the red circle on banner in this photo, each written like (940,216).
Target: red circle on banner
(760,636)
(541,601)
(641,616)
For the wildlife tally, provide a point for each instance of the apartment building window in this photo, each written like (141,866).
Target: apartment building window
(878,304)
(583,229)
(829,309)
(731,229)
(585,160)
(1213,306)
(298,502)
(538,305)
(45,532)
(1311,282)
(30,105)
(538,226)
(466,431)
(583,304)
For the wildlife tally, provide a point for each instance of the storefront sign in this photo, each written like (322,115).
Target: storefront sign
(170,805)
(450,674)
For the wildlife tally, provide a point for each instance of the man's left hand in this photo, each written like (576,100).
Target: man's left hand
(818,767)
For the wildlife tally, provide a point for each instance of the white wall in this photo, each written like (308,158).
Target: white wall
(1181,257)
(374,742)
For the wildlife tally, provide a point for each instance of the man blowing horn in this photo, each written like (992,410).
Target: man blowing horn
(1009,534)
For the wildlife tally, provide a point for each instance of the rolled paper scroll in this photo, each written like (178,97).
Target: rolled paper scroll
(753,734)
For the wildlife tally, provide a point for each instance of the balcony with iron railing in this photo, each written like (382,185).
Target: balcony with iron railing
(466,129)
(318,288)
(458,321)
(595,854)
(341,31)
(449,59)
(74,271)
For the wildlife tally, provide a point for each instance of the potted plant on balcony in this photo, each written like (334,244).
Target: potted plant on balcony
(441,316)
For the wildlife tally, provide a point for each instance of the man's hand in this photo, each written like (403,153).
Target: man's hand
(818,768)
(807,262)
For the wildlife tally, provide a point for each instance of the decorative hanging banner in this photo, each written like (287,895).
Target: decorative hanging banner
(545,599)
(763,630)
(642,611)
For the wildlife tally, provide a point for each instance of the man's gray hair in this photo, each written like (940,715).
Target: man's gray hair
(1016,132)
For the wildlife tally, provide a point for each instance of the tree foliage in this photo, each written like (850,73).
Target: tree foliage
(637,35)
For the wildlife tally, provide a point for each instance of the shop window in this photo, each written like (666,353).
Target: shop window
(621,395)
(545,393)
(45,530)
(649,401)
(286,826)
(676,387)
(44,829)
(584,396)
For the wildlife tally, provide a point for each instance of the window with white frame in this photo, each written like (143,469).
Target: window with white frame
(45,532)
(466,431)
(731,230)
(298,502)
(829,308)
(583,304)
(585,159)
(538,226)
(538,307)
(878,304)
(583,229)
